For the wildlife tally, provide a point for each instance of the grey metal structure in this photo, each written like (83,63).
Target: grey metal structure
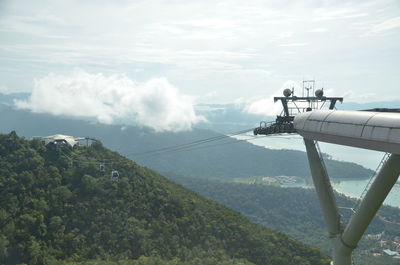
(369,130)
(365,129)
(376,129)
(293,105)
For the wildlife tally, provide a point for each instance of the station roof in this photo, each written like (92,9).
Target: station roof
(70,140)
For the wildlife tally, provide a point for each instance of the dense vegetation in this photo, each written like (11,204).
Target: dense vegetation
(221,161)
(294,211)
(56,205)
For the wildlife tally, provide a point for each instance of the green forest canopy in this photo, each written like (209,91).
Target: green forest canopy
(57,206)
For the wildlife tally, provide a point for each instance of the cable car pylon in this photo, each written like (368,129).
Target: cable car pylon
(375,130)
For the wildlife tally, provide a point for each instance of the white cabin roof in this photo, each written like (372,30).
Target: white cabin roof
(390,252)
(70,140)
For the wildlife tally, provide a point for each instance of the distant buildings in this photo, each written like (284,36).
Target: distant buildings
(269,180)
(390,252)
(376,236)
(60,139)
(389,247)
(393,254)
(283,181)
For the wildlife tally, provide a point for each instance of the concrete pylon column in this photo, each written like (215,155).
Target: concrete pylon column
(372,201)
(344,242)
(323,188)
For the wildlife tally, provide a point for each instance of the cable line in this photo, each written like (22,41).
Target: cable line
(196,147)
(194,143)
(190,146)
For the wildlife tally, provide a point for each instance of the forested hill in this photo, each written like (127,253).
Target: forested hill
(58,206)
(297,212)
(225,159)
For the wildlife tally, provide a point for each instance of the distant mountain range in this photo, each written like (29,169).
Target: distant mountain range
(226,158)
(226,118)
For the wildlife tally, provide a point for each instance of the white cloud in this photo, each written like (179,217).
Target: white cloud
(285,35)
(337,13)
(318,30)
(387,25)
(266,105)
(295,44)
(263,106)
(203,46)
(111,99)
(210,23)
(351,96)
(5,90)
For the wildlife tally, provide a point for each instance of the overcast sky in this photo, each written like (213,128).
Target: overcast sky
(208,51)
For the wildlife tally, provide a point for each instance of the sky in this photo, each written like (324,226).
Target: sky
(157,59)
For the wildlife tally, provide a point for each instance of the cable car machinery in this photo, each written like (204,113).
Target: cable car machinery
(344,238)
(292,105)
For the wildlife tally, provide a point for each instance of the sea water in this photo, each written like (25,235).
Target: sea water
(367,158)
(355,188)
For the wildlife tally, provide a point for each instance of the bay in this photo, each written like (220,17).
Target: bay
(354,188)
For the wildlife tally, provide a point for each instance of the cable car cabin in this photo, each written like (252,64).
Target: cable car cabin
(102,168)
(114,175)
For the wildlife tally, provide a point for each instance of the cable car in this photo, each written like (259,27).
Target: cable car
(114,175)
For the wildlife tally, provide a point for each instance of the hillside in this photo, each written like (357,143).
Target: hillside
(297,212)
(57,205)
(225,159)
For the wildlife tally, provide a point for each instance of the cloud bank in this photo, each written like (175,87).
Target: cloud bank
(113,99)
(266,105)
(226,46)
